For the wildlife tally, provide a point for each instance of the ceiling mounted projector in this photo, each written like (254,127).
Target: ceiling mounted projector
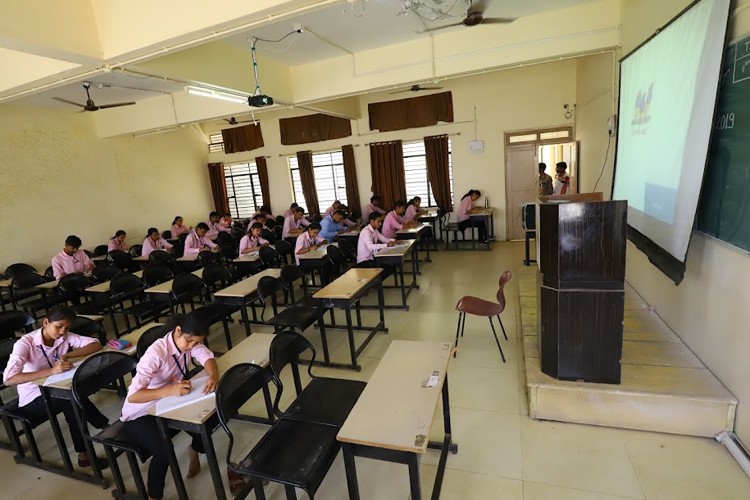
(260,101)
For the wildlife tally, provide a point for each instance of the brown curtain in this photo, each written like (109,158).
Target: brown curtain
(218,187)
(244,138)
(410,113)
(260,162)
(307,176)
(313,128)
(350,175)
(387,166)
(436,153)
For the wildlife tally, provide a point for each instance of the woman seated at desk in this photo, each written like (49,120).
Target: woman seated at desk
(117,242)
(154,241)
(466,209)
(413,210)
(252,241)
(179,228)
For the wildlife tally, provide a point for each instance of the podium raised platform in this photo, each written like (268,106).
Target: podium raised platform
(664,388)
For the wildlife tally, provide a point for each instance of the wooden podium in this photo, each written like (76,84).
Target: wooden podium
(582,264)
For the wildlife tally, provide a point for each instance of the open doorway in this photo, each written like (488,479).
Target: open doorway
(551,154)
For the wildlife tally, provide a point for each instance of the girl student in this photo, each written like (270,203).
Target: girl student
(308,241)
(117,242)
(252,240)
(413,210)
(466,208)
(47,351)
(179,228)
(162,372)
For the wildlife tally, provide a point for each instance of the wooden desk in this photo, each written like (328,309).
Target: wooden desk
(314,260)
(166,287)
(486,215)
(395,256)
(141,258)
(418,233)
(103,287)
(392,419)
(50,285)
(431,217)
(200,417)
(243,292)
(345,291)
(188,258)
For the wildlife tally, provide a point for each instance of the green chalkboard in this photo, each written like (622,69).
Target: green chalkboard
(724,206)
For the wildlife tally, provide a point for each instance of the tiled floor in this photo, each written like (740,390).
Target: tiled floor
(503,454)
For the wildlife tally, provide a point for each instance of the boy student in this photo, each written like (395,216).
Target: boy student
(154,241)
(72,259)
(370,241)
(308,241)
(294,224)
(373,206)
(213,224)
(394,220)
(562,180)
(332,226)
(197,241)
(289,212)
(545,181)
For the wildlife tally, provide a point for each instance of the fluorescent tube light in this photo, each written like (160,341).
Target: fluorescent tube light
(216,94)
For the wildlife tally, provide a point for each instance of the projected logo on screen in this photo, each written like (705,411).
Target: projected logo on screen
(642,111)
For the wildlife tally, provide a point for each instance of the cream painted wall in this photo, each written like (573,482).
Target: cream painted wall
(709,309)
(58,178)
(523,98)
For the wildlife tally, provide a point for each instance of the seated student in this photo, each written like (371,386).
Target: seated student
(346,221)
(373,206)
(117,242)
(72,259)
(161,372)
(466,208)
(252,241)
(333,208)
(289,212)
(213,224)
(197,241)
(370,241)
(260,219)
(47,351)
(154,241)
(395,221)
(413,210)
(226,220)
(308,241)
(179,228)
(332,225)
(294,223)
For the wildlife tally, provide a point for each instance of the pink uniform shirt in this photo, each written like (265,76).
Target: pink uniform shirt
(411,213)
(216,228)
(178,230)
(288,213)
(370,241)
(31,355)
(115,244)
(150,245)
(329,211)
(393,222)
(193,243)
(290,224)
(464,208)
(63,263)
(305,241)
(249,241)
(161,363)
(370,208)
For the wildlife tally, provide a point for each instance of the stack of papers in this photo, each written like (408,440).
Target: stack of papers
(170,403)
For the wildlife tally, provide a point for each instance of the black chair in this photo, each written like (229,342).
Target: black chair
(269,257)
(349,249)
(121,260)
(49,274)
(29,298)
(135,251)
(270,223)
(167,235)
(290,273)
(186,288)
(89,328)
(155,273)
(147,338)
(162,257)
(294,316)
(129,288)
(295,453)
(316,218)
(207,257)
(105,272)
(323,400)
(268,235)
(5,297)
(18,269)
(339,262)
(285,251)
(11,322)
(99,372)
(279,220)
(217,277)
(72,288)
(278,231)
(228,246)
(88,253)
(100,250)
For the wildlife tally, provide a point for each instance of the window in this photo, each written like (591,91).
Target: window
(216,143)
(330,184)
(243,189)
(415,173)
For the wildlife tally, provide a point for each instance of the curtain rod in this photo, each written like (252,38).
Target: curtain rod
(280,155)
(410,140)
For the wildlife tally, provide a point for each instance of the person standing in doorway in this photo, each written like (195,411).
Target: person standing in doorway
(562,179)
(545,181)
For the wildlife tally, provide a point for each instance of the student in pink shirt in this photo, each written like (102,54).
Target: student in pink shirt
(465,209)
(49,351)
(161,372)
(373,206)
(413,210)
(346,220)
(226,220)
(265,211)
(117,242)
(252,241)
(179,228)
(370,241)
(213,224)
(72,259)
(308,241)
(291,210)
(154,241)
(197,241)
(395,221)
(333,208)
(294,223)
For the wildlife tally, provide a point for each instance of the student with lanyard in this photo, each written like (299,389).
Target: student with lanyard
(291,210)
(252,241)
(48,351)
(154,241)
(117,242)
(72,259)
(162,372)
(308,241)
(213,224)
(179,228)
(370,241)
(294,224)
(413,210)
(197,241)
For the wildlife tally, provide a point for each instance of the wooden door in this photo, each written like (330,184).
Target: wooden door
(520,185)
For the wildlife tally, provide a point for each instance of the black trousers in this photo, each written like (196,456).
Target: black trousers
(144,433)
(479,224)
(36,412)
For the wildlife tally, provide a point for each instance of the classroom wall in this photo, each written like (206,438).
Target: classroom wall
(58,178)
(509,100)
(709,309)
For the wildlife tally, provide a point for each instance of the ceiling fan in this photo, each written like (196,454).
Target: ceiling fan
(416,88)
(234,121)
(475,17)
(90,105)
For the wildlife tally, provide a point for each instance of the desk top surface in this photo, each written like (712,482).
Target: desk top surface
(188,258)
(398,250)
(248,257)
(48,285)
(248,285)
(482,212)
(317,254)
(104,287)
(348,283)
(395,411)
(166,287)
(413,230)
(141,258)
